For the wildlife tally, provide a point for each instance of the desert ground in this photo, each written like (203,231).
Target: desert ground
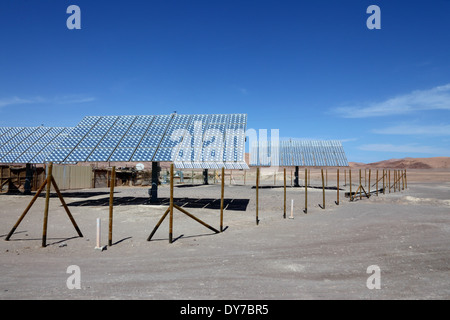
(322,254)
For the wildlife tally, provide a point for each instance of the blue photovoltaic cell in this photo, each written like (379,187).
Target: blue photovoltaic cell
(315,153)
(89,121)
(163,154)
(150,142)
(143,154)
(137,130)
(143,120)
(162,119)
(109,142)
(100,154)
(129,142)
(29,144)
(191,141)
(121,153)
(80,154)
(80,131)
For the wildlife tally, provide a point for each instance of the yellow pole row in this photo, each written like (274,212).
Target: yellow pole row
(49,181)
(400,183)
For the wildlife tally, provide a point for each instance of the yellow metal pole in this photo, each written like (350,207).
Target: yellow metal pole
(284,212)
(337,202)
(369,181)
(395,181)
(306,190)
(403,180)
(257,190)
(323,190)
(221,199)
(360,195)
(111,204)
(171,205)
(38,192)
(406,181)
(55,186)
(377,183)
(158,224)
(389,181)
(365,177)
(47,202)
(350,181)
(398,180)
(195,218)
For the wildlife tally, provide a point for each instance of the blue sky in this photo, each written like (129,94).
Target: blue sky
(311,69)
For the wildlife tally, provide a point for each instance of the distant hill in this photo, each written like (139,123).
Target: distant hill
(407,163)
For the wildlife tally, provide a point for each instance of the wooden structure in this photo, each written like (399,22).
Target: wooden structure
(111,204)
(170,211)
(47,183)
(20,178)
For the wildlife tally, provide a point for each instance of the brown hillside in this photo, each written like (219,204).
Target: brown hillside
(408,163)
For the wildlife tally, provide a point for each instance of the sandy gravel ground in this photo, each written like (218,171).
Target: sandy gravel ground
(323,254)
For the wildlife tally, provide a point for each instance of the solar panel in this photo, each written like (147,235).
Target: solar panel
(309,153)
(29,144)
(190,141)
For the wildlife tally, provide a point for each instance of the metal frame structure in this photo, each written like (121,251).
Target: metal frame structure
(29,144)
(294,153)
(172,206)
(201,141)
(47,183)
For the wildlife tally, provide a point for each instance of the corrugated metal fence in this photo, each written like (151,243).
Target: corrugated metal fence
(73,177)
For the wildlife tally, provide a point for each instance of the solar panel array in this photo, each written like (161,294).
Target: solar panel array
(308,153)
(29,144)
(190,141)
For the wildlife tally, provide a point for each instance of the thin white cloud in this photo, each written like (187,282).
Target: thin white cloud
(14,100)
(409,148)
(73,99)
(68,99)
(406,129)
(437,98)
(348,140)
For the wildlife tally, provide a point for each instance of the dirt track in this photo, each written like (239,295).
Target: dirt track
(320,255)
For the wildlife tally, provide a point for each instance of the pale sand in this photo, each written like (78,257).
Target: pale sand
(320,255)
